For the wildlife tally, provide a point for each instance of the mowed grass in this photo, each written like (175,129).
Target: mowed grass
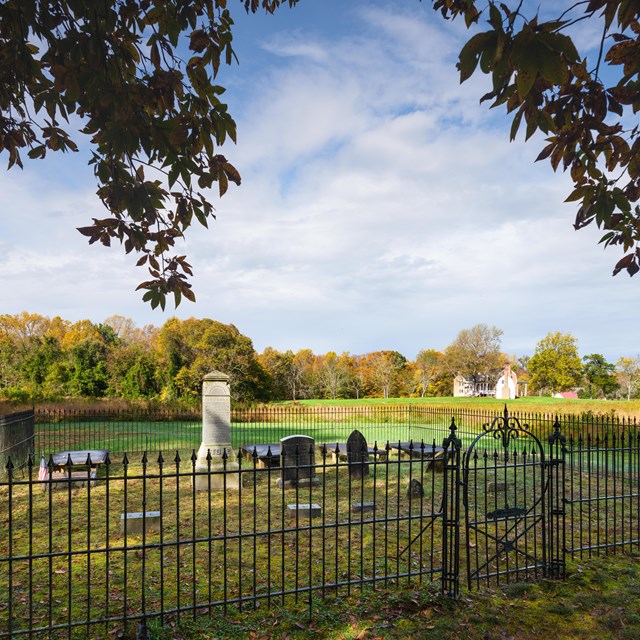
(72,564)
(534,404)
(69,563)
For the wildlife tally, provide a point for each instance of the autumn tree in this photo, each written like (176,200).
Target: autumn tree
(277,366)
(333,374)
(428,365)
(28,351)
(302,374)
(384,369)
(136,81)
(584,105)
(555,366)
(628,375)
(358,379)
(475,353)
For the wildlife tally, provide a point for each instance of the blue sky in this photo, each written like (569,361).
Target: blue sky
(382,207)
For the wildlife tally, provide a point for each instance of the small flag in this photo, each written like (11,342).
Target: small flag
(43,471)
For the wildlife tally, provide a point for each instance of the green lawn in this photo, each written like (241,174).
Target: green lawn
(526,404)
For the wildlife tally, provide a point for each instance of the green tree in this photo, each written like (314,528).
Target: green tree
(89,374)
(133,371)
(555,366)
(585,112)
(37,365)
(599,375)
(189,349)
(116,73)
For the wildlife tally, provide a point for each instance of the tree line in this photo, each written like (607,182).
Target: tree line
(44,358)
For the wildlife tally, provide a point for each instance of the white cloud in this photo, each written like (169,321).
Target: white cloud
(381,207)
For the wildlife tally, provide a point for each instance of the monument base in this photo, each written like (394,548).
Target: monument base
(301,483)
(229,479)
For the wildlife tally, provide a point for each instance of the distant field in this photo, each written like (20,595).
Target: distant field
(536,404)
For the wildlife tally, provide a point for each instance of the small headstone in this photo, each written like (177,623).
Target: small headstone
(361,507)
(497,486)
(304,510)
(357,455)
(297,462)
(415,489)
(134,521)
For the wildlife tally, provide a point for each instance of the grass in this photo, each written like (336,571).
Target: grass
(599,600)
(212,546)
(535,404)
(207,536)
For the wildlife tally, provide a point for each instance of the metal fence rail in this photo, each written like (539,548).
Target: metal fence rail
(138,430)
(133,431)
(601,491)
(514,503)
(73,563)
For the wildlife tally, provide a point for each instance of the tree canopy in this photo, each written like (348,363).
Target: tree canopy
(138,79)
(475,352)
(556,365)
(586,111)
(116,72)
(599,376)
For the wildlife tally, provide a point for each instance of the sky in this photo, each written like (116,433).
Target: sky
(381,206)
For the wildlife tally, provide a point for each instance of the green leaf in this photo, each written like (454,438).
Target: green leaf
(524,81)
(546,152)
(515,125)
(470,53)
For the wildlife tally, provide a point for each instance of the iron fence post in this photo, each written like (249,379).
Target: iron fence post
(556,536)
(451,514)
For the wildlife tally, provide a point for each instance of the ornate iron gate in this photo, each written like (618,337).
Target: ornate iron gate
(510,513)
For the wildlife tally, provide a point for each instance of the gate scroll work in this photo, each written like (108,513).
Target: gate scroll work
(513,512)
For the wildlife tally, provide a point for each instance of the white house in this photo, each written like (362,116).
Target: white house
(504,388)
(507,384)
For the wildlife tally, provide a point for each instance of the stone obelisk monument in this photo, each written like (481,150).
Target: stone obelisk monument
(216,436)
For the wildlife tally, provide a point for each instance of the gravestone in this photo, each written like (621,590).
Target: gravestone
(357,455)
(216,437)
(304,510)
(134,522)
(415,489)
(297,462)
(362,507)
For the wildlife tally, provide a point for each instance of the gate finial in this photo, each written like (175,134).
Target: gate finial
(452,439)
(556,436)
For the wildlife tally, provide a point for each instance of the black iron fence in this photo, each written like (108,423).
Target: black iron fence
(16,438)
(88,554)
(114,542)
(135,431)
